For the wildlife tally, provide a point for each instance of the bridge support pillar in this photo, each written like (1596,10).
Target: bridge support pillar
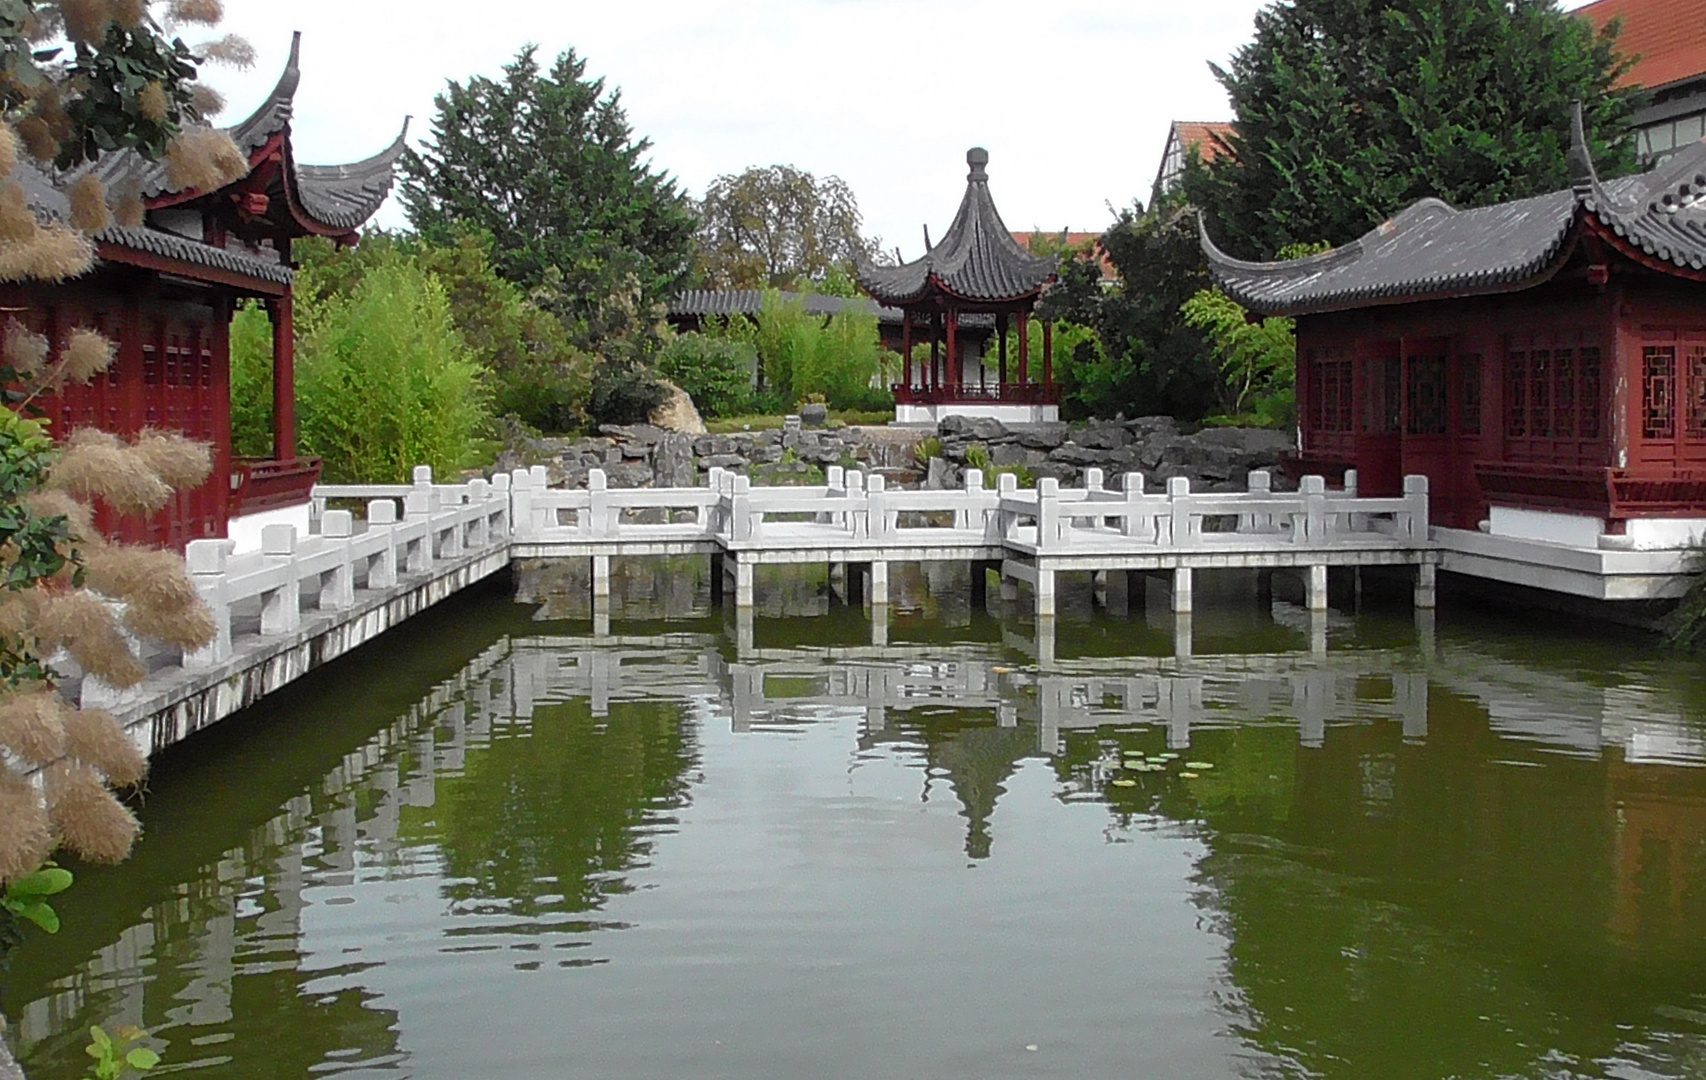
(600,578)
(979,585)
(1116,592)
(1045,639)
(1045,594)
(743,583)
(717,572)
(1009,587)
(879,626)
(1182,590)
(1426,586)
(1183,634)
(879,592)
(1315,588)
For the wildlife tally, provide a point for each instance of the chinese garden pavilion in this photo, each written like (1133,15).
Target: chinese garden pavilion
(1541,361)
(164,293)
(976,269)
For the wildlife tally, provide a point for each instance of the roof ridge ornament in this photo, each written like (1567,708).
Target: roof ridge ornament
(1583,177)
(978,159)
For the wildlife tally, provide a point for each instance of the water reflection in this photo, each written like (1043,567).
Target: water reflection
(1240,842)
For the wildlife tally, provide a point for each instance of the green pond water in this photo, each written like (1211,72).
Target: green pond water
(1246,844)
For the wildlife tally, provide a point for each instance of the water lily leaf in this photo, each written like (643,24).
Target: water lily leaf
(142,1058)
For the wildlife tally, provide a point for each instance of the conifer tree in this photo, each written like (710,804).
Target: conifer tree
(1349,110)
(546,164)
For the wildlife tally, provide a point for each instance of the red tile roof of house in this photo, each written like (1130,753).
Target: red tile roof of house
(1666,37)
(1206,136)
(1073,240)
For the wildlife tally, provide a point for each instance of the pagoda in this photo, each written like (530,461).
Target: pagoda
(977,271)
(1542,361)
(164,294)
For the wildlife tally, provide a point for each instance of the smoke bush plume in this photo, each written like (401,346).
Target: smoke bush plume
(205,12)
(32,725)
(25,351)
(95,465)
(89,204)
(153,102)
(86,20)
(93,737)
(86,627)
(203,159)
(26,836)
(178,461)
(8,149)
(88,819)
(87,354)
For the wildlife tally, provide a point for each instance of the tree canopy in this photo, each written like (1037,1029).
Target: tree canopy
(778,227)
(1349,110)
(546,164)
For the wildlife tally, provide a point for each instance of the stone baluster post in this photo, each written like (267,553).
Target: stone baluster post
(281,607)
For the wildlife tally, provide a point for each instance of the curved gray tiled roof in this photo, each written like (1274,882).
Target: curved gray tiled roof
(977,259)
(725,302)
(339,197)
(172,246)
(1431,250)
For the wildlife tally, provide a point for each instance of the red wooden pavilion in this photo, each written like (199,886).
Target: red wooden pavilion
(1542,361)
(165,293)
(976,269)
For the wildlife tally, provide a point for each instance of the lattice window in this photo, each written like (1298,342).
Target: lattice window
(1658,392)
(1469,370)
(1540,393)
(1426,396)
(1588,407)
(1564,393)
(1516,394)
(1697,391)
(1331,390)
(1385,398)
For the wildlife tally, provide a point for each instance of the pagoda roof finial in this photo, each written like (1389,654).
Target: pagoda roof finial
(978,158)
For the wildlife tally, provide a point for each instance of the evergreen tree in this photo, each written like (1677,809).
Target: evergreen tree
(548,167)
(1349,110)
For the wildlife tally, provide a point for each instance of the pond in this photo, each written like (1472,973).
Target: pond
(1378,844)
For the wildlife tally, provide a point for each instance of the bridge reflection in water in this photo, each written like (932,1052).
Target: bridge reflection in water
(1403,824)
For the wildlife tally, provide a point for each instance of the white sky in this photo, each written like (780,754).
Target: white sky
(1072,98)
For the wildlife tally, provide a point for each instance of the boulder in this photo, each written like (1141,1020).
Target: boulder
(814,415)
(1102,437)
(1040,436)
(721,461)
(1074,454)
(954,425)
(1144,426)
(672,463)
(1008,453)
(1058,470)
(987,429)
(677,413)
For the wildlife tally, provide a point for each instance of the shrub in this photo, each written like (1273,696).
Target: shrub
(715,371)
(624,391)
(384,381)
(800,354)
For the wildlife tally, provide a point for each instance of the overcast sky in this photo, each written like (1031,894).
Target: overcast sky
(1072,98)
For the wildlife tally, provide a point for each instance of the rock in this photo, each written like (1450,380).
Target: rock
(630,474)
(1102,437)
(1058,470)
(644,434)
(938,473)
(1040,436)
(954,425)
(1078,455)
(722,461)
(1008,453)
(677,413)
(672,463)
(1144,426)
(636,450)
(814,415)
(987,429)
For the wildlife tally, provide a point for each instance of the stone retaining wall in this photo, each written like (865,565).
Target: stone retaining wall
(1213,459)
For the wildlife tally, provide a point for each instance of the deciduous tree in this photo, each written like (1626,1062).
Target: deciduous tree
(779,227)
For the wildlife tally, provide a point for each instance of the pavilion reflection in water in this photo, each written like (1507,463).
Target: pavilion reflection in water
(1378,730)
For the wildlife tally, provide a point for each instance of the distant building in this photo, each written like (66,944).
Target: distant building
(1207,139)
(1066,238)
(1667,39)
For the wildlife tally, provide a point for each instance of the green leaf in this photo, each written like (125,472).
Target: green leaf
(42,915)
(100,1038)
(44,882)
(142,1058)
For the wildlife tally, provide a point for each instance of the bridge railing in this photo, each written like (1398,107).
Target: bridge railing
(1058,520)
(436,523)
